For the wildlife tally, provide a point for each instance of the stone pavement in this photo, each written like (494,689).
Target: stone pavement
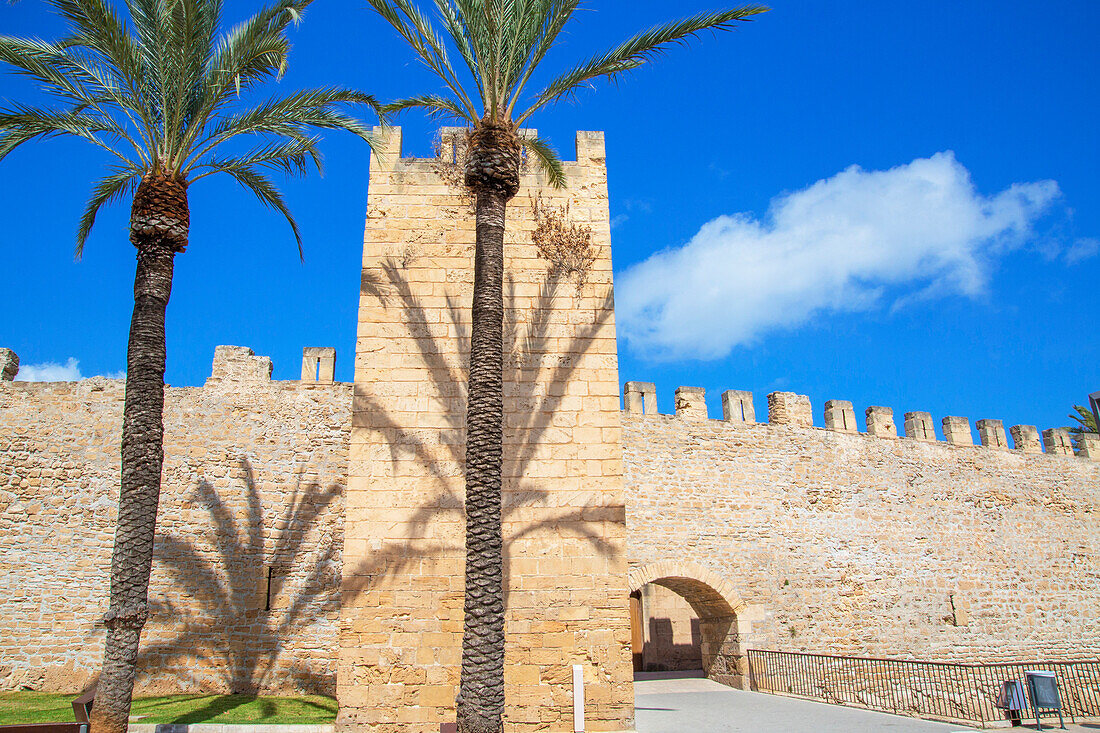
(694,705)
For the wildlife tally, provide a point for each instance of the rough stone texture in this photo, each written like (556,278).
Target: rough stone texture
(564,519)
(253,484)
(1056,442)
(9,365)
(319,364)
(238,364)
(641,397)
(840,416)
(1089,447)
(956,431)
(788,408)
(992,433)
(851,544)
(691,403)
(737,406)
(918,426)
(1026,438)
(880,422)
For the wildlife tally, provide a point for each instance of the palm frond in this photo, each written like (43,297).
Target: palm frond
(417,31)
(1086,421)
(269,196)
(115,186)
(636,51)
(291,157)
(437,107)
(289,116)
(548,159)
(556,15)
(28,123)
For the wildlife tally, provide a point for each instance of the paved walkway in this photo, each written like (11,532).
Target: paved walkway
(694,705)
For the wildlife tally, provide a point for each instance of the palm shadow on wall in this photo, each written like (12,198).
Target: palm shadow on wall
(244,587)
(227,623)
(532,418)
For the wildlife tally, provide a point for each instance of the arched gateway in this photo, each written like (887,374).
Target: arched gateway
(725,619)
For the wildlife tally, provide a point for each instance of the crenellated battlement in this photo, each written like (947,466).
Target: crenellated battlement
(232,365)
(789,408)
(388,154)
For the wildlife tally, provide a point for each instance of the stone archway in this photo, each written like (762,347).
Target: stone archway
(725,620)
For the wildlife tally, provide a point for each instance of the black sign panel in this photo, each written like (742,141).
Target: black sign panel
(1044,690)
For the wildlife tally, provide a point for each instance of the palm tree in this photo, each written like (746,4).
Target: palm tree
(501,44)
(161,94)
(1086,423)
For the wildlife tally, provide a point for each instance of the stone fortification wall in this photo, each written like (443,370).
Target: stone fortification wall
(868,543)
(564,533)
(245,585)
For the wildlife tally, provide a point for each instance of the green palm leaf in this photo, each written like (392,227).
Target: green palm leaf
(162,93)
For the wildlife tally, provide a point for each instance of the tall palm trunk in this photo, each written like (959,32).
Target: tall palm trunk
(493,174)
(158,229)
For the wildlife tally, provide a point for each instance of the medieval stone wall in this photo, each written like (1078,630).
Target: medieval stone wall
(775,535)
(245,586)
(860,544)
(564,521)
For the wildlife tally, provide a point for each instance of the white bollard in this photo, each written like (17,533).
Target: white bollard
(578,698)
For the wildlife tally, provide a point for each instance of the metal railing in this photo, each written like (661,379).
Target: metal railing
(941,690)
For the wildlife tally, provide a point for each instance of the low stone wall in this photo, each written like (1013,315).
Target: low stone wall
(245,587)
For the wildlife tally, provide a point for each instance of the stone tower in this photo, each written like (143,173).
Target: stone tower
(564,517)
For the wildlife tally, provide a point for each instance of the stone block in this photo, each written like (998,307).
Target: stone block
(1026,438)
(319,364)
(239,364)
(992,433)
(590,146)
(788,408)
(640,398)
(1088,446)
(918,425)
(840,416)
(1057,442)
(880,422)
(737,406)
(956,431)
(9,365)
(691,403)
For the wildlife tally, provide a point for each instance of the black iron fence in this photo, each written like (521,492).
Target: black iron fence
(941,690)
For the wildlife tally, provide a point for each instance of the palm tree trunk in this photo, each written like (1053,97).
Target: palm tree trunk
(158,230)
(481,688)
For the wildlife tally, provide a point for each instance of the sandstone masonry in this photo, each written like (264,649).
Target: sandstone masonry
(564,519)
(862,544)
(245,587)
(310,533)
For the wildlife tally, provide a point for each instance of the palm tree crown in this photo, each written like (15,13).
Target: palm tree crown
(162,96)
(501,43)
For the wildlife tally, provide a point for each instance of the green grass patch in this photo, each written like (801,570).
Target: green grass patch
(44,707)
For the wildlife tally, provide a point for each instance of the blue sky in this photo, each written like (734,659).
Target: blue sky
(855,201)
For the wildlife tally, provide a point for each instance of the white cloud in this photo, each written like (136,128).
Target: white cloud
(1081,250)
(853,242)
(51,371)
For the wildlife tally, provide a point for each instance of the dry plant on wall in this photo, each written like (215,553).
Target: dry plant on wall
(565,245)
(452,151)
